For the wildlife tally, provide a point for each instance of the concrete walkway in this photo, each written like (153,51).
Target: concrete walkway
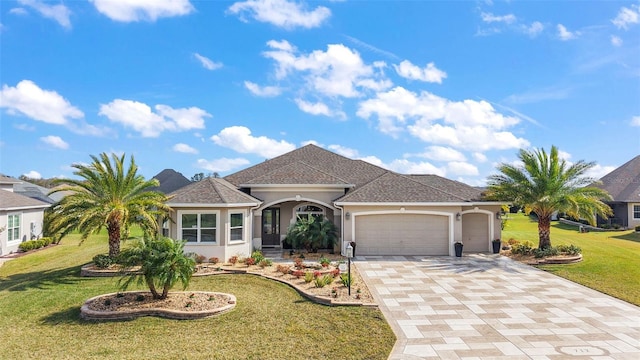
(490,307)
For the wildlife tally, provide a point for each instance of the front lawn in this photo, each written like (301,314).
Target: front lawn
(611,260)
(41,295)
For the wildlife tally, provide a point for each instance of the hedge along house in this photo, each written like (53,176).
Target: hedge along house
(383,212)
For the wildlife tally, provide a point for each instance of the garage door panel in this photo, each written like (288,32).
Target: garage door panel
(402,234)
(475,232)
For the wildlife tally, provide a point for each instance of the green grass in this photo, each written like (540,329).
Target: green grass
(611,260)
(41,295)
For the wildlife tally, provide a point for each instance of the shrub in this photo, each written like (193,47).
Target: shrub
(214,260)
(283,268)
(540,253)
(47,241)
(324,261)
(525,248)
(308,277)
(250,261)
(638,228)
(298,263)
(265,262)
(257,256)
(312,233)
(103,261)
(31,245)
(569,249)
(512,241)
(233,260)
(345,279)
(298,273)
(335,272)
(322,281)
(200,259)
(317,274)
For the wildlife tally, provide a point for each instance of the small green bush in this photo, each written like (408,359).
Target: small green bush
(322,281)
(525,248)
(324,261)
(31,245)
(257,256)
(200,259)
(103,261)
(550,251)
(47,241)
(345,279)
(638,228)
(265,262)
(569,249)
(308,277)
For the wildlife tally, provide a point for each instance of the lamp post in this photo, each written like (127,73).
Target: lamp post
(349,256)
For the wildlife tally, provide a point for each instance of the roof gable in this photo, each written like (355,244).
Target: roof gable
(395,188)
(10,200)
(623,183)
(297,173)
(211,191)
(356,172)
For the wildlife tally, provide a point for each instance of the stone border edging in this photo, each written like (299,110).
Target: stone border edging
(87,271)
(88,314)
(561,260)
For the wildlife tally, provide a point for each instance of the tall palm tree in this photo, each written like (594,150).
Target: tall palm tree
(107,196)
(544,184)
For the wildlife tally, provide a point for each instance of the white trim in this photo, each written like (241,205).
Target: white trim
(19,239)
(295,199)
(451,217)
(294,212)
(487,203)
(198,212)
(245,221)
(490,216)
(185,205)
(29,207)
(633,211)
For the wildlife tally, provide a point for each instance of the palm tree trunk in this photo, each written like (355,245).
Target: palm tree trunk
(113,228)
(544,232)
(152,288)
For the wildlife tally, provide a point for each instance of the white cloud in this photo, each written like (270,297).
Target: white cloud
(538,95)
(222,164)
(239,138)
(564,155)
(479,157)
(462,168)
(33,175)
(142,10)
(282,13)
(469,124)
(319,108)
(184,148)
(442,153)
(30,100)
(344,151)
(635,121)
(598,171)
(55,141)
(490,18)
(58,13)
(627,16)
(565,34)
(207,63)
(262,91)
(18,11)
(139,117)
(429,73)
(338,71)
(534,29)
(404,166)
(616,41)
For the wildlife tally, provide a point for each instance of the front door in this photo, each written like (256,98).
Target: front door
(271,227)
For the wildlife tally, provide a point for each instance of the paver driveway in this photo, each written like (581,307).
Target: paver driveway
(490,307)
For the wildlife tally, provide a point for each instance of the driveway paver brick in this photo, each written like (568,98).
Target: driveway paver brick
(485,306)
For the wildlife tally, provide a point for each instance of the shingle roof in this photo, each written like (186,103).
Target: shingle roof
(356,172)
(450,186)
(297,173)
(10,200)
(623,183)
(9,180)
(395,188)
(211,191)
(170,181)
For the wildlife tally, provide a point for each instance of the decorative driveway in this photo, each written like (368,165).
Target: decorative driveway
(491,307)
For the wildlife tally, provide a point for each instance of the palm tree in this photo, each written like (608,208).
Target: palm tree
(107,196)
(544,184)
(312,233)
(162,263)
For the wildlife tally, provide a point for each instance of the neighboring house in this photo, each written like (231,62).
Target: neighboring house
(170,181)
(383,212)
(623,184)
(21,217)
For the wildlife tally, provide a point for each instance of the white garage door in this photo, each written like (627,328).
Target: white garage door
(402,234)
(475,232)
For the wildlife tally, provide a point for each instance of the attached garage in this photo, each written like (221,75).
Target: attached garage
(402,234)
(475,232)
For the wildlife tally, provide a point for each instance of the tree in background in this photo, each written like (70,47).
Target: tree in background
(545,184)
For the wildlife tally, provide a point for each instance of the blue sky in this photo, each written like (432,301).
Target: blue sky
(449,88)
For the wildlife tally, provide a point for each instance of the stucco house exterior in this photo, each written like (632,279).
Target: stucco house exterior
(383,212)
(21,217)
(623,184)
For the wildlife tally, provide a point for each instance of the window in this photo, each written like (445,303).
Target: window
(13,227)
(636,212)
(236,227)
(309,210)
(198,227)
